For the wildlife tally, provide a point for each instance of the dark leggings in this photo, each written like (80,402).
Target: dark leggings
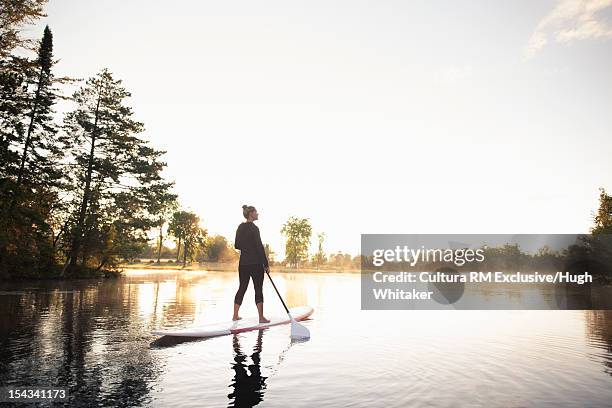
(245,272)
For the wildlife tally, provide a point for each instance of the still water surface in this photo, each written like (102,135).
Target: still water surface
(94,336)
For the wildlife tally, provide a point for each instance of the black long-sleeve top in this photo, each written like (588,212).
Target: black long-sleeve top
(248,241)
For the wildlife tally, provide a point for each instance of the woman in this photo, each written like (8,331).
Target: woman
(253,261)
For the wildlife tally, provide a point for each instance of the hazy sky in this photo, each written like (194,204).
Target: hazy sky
(366,117)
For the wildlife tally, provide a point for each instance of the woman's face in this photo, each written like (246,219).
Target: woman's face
(254,215)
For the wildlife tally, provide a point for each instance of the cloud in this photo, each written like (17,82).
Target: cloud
(454,73)
(570,20)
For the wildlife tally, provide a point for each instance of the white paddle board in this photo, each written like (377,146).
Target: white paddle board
(238,326)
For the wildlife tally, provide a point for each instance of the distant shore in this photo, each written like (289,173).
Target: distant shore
(227,267)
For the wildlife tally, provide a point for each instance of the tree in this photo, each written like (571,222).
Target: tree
(117,175)
(31,176)
(269,253)
(40,115)
(603,218)
(320,258)
(599,243)
(194,240)
(341,260)
(185,227)
(161,206)
(218,249)
(298,232)
(176,228)
(90,193)
(14,15)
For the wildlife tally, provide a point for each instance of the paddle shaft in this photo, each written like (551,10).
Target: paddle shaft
(278,293)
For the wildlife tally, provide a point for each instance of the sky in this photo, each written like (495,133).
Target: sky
(365,117)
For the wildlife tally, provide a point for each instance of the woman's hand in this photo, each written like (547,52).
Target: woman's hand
(266,269)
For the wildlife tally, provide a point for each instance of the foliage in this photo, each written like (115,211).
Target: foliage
(603,218)
(31,171)
(319,258)
(116,176)
(341,260)
(185,227)
(216,248)
(269,254)
(162,203)
(77,198)
(14,15)
(298,232)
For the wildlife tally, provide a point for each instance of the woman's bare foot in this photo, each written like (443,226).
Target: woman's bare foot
(264,320)
(236,310)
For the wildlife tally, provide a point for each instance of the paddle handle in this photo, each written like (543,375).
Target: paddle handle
(278,293)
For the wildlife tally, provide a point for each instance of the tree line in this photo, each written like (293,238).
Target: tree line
(80,192)
(193,245)
(589,253)
(84,191)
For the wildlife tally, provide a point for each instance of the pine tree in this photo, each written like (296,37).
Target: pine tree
(30,175)
(116,173)
(40,129)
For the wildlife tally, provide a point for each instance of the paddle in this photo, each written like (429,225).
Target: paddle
(298,331)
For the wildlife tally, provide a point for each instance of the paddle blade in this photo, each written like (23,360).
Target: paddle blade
(299,331)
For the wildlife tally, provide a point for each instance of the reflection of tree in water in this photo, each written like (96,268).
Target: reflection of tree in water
(295,290)
(599,331)
(80,335)
(248,384)
(108,371)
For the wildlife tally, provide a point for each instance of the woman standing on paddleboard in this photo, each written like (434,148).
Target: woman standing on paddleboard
(253,261)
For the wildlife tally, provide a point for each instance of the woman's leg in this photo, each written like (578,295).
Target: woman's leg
(243,276)
(236,310)
(257,274)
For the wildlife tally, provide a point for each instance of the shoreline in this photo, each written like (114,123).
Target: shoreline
(123,270)
(225,267)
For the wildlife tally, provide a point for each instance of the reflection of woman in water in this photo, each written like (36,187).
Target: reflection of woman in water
(248,386)
(253,261)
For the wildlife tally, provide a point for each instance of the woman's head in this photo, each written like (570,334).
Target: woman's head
(249,212)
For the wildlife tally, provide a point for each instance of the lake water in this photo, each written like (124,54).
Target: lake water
(94,336)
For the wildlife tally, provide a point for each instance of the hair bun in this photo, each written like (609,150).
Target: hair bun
(246,210)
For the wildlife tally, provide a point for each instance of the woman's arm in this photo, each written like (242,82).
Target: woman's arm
(238,239)
(260,249)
